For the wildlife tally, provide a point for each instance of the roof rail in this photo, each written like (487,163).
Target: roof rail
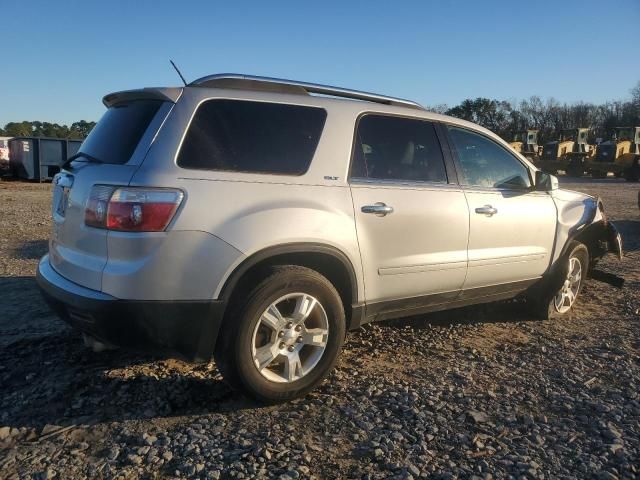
(251,82)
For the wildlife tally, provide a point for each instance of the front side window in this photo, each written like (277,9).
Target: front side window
(485,163)
(394,148)
(257,137)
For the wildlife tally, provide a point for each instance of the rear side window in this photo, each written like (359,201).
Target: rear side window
(117,134)
(257,137)
(394,148)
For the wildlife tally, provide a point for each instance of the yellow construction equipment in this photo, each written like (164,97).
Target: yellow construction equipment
(620,155)
(569,153)
(526,143)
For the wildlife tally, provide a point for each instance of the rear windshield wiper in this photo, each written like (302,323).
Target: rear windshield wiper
(90,159)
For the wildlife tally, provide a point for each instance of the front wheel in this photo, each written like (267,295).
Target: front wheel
(284,337)
(559,295)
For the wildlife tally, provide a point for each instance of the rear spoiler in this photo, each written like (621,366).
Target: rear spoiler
(169,94)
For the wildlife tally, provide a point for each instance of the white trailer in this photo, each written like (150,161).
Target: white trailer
(4,152)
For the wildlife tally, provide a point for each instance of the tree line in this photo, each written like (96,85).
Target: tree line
(77,130)
(548,116)
(500,116)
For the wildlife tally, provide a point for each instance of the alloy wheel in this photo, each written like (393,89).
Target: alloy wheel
(290,338)
(566,296)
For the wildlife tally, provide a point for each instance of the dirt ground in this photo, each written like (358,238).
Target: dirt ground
(484,392)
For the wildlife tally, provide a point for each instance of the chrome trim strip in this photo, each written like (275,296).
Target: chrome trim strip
(380,182)
(430,267)
(493,261)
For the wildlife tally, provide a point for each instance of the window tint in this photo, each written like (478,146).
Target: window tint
(252,137)
(396,148)
(116,136)
(485,163)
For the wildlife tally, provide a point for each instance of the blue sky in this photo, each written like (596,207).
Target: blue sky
(60,58)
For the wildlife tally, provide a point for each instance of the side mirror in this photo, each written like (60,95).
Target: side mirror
(545,182)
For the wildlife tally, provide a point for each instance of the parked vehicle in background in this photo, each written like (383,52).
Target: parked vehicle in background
(256,220)
(525,142)
(569,153)
(619,155)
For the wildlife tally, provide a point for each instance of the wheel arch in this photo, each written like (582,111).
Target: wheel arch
(587,225)
(325,259)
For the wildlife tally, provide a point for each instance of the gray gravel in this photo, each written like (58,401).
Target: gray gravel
(483,392)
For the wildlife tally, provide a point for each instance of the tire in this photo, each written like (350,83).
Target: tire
(575,169)
(632,174)
(545,300)
(250,333)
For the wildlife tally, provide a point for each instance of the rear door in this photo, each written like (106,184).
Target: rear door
(115,147)
(412,224)
(512,227)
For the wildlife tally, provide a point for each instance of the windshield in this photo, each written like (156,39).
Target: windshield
(623,134)
(116,136)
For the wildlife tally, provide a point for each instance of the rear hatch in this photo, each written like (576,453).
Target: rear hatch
(110,155)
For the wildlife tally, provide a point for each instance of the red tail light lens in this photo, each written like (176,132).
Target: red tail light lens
(132,209)
(95,212)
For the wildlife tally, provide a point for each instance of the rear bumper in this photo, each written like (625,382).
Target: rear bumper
(185,329)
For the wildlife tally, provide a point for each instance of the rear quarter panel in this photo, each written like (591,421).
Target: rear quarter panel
(251,212)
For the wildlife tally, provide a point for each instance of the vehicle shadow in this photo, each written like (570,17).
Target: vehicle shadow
(51,377)
(31,250)
(48,375)
(57,380)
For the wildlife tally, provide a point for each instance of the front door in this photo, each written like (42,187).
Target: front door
(412,224)
(512,227)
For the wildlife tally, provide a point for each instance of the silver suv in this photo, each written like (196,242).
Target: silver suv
(255,220)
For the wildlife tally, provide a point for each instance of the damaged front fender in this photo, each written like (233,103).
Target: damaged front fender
(582,218)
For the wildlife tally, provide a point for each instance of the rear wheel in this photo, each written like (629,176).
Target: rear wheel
(284,337)
(560,293)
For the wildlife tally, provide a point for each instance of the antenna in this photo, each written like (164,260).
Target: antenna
(177,70)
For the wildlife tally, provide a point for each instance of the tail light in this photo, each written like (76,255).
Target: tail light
(131,209)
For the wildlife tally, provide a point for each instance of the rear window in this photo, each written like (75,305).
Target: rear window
(116,136)
(257,137)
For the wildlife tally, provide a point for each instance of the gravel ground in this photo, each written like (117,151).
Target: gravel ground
(482,392)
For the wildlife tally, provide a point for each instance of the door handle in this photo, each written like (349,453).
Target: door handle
(380,209)
(487,210)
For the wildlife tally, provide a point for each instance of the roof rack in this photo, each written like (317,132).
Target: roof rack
(251,82)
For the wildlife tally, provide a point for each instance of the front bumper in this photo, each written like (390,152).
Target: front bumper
(185,329)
